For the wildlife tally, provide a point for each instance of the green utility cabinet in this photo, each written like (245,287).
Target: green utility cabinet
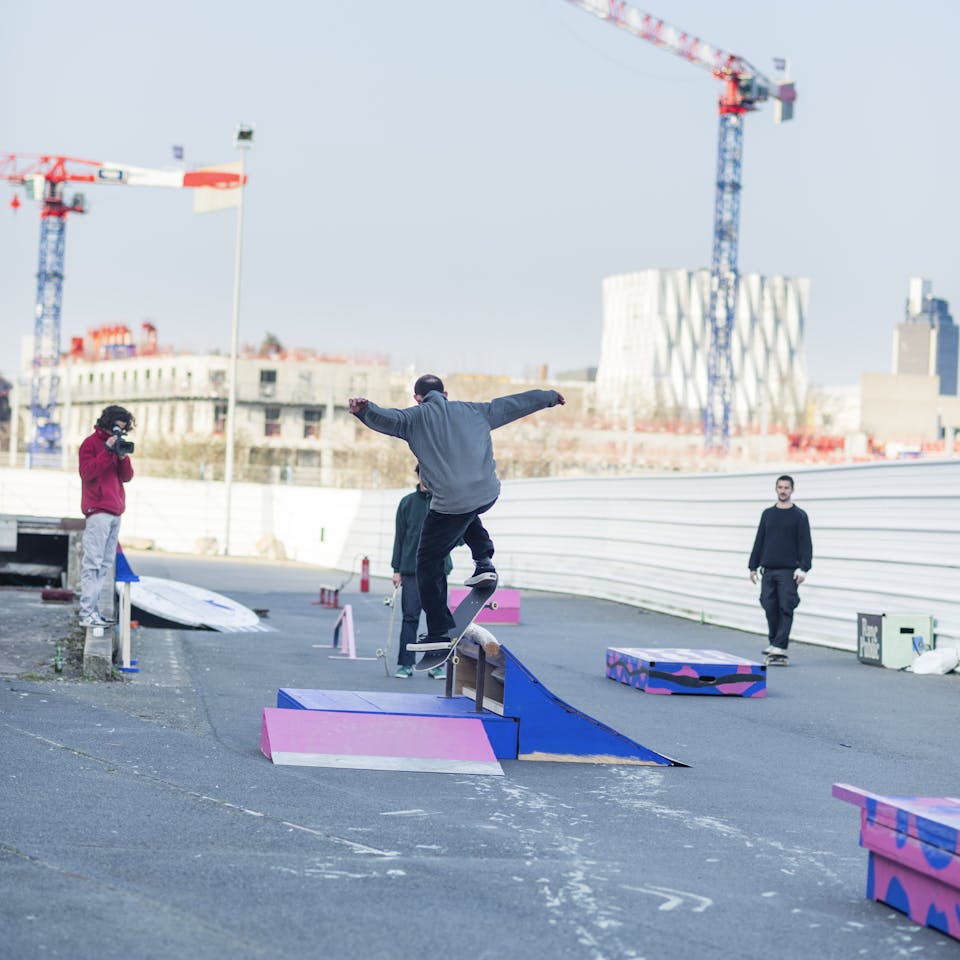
(893,639)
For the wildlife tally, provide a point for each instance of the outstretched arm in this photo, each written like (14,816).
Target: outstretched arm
(391,422)
(505,410)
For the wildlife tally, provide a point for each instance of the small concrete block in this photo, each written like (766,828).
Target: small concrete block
(98,653)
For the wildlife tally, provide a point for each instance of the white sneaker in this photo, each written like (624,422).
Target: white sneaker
(94,620)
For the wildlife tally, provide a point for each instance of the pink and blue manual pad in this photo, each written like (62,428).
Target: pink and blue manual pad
(675,670)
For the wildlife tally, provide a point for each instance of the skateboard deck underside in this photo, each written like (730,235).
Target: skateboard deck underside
(467,611)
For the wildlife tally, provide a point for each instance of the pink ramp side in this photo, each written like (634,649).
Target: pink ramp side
(316,738)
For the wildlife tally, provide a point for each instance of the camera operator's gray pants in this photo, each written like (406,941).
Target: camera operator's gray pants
(99,554)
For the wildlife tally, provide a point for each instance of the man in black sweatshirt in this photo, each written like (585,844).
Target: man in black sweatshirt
(783,554)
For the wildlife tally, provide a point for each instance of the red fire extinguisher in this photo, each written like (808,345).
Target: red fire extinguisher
(365,575)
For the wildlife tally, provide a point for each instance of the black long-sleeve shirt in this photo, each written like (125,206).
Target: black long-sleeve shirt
(411,512)
(782,541)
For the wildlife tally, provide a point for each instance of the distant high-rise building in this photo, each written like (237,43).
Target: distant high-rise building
(656,344)
(928,341)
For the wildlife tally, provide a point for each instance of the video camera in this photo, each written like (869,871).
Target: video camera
(122,447)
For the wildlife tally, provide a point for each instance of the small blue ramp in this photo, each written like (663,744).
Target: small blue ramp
(551,729)
(521,717)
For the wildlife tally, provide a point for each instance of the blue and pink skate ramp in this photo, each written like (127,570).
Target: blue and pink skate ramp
(914,862)
(493,694)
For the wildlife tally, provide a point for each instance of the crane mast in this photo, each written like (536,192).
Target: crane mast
(44,178)
(44,444)
(744,88)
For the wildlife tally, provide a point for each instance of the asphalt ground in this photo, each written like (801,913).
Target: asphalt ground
(138,818)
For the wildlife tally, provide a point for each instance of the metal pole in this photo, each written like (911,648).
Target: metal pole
(234,347)
(66,415)
(14,421)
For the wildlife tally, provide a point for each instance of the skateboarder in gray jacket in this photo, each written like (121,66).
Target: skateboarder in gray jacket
(451,441)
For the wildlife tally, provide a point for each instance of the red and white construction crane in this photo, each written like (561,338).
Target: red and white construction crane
(744,88)
(44,177)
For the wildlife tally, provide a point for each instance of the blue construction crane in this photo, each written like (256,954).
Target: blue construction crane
(43,446)
(45,178)
(744,88)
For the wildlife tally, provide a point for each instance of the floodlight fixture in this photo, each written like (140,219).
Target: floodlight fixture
(243,137)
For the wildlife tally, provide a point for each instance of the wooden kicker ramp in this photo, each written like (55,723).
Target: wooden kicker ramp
(493,709)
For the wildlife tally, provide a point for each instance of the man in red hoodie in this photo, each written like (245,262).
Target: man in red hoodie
(104,469)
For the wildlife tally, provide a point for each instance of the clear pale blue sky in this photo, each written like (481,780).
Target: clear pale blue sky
(448,183)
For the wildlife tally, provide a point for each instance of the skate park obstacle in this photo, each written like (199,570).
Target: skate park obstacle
(368,741)
(914,854)
(124,577)
(329,597)
(521,718)
(670,670)
(344,637)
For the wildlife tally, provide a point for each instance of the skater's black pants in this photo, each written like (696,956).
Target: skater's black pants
(440,534)
(779,598)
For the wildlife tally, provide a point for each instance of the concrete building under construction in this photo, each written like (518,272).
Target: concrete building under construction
(656,342)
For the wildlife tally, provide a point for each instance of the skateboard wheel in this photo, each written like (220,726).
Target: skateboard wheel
(381,652)
(455,659)
(494,605)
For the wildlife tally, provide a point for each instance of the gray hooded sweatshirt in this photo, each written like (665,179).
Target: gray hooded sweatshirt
(451,441)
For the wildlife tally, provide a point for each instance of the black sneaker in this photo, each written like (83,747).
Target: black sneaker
(485,572)
(442,642)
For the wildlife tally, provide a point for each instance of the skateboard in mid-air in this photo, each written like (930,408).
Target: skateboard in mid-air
(776,660)
(436,654)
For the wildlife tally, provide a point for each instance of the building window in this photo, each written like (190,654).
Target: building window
(219,419)
(271,421)
(268,383)
(311,422)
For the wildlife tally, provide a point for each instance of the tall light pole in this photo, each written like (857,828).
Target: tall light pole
(242,141)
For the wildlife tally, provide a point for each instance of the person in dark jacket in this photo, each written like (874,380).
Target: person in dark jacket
(411,512)
(782,556)
(104,469)
(451,441)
